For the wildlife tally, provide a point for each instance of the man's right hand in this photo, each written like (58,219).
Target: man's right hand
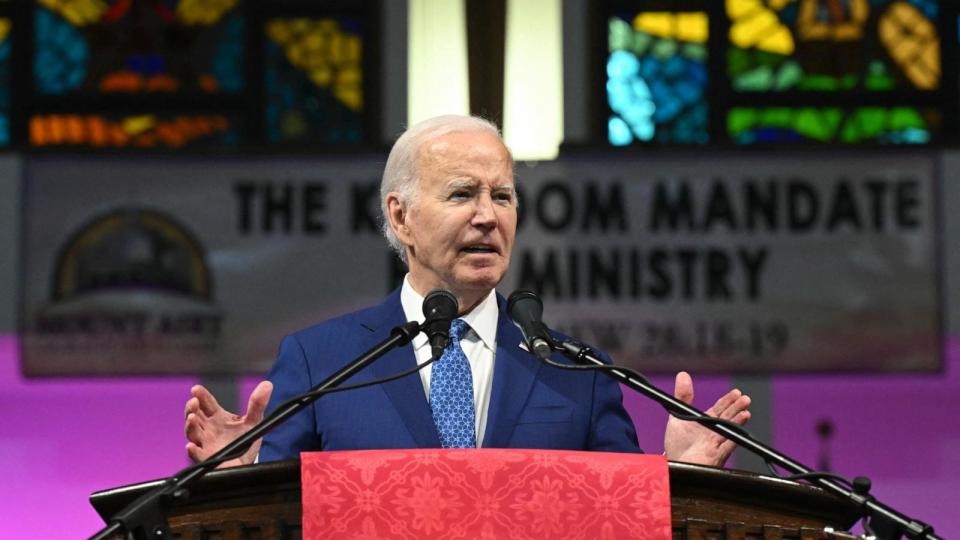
(209,427)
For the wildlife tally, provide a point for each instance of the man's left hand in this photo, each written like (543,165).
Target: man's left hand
(693,443)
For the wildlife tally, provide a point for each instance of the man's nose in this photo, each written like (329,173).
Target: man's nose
(485,215)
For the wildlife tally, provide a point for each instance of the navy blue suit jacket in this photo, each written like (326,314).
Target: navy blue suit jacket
(532,405)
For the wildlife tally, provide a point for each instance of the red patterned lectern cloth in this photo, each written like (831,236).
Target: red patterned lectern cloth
(484,493)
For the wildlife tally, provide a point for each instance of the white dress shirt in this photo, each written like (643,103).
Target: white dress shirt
(479,345)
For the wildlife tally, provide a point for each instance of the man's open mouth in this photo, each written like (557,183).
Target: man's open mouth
(479,249)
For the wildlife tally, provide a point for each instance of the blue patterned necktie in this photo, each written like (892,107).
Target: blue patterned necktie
(451,393)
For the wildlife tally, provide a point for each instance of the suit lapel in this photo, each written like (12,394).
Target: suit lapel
(514,373)
(406,394)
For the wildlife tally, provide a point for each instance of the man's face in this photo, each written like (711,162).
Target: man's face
(460,227)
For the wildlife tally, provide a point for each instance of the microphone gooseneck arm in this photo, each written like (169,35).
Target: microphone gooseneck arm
(144,518)
(891,523)
(880,514)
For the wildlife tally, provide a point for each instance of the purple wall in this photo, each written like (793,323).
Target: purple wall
(896,430)
(60,440)
(63,439)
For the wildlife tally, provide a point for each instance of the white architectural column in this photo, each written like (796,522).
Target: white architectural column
(437,59)
(533,79)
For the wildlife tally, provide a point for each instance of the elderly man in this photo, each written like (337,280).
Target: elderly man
(450,210)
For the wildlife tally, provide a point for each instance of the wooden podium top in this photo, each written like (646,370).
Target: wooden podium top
(263,501)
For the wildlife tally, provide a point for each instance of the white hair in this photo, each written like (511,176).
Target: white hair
(401,175)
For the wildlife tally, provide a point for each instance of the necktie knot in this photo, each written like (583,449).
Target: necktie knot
(458,329)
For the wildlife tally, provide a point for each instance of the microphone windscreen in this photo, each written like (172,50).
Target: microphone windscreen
(524,305)
(440,304)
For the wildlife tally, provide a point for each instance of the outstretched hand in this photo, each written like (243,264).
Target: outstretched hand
(693,443)
(209,427)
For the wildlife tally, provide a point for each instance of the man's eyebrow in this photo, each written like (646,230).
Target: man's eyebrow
(469,183)
(460,183)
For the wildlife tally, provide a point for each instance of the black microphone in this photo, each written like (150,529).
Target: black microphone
(440,307)
(526,310)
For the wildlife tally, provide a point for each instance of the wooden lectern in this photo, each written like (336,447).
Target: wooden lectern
(263,501)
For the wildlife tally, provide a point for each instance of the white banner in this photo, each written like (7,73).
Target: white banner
(719,262)
(742,263)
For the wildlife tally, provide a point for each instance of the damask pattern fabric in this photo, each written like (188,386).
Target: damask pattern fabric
(451,393)
(485,493)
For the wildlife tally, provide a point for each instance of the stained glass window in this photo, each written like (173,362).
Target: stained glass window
(833,45)
(126,46)
(132,131)
(314,80)
(783,72)
(173,74)
(836,125)
(656,78)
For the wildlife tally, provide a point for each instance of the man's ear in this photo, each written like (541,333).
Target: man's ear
(397,214)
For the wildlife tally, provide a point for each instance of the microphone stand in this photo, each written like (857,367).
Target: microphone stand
(145,518)
(888,522)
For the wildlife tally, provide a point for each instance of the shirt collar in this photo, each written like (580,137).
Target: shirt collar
(482,319)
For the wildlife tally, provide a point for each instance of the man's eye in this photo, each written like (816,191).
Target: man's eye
(504,197)
(460,194)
